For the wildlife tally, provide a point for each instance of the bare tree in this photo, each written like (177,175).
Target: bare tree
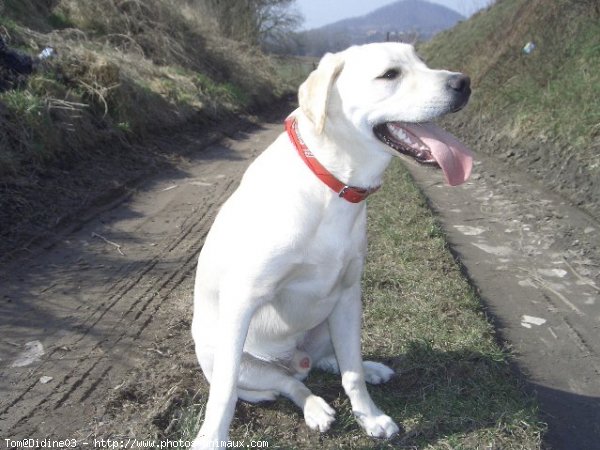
(253,21)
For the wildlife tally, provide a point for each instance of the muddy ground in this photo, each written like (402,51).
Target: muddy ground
(95,309)
(540,157)
(535,260)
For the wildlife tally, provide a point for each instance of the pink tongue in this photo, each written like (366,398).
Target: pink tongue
(453,157)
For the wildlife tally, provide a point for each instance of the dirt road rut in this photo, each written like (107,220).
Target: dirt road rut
(535,261)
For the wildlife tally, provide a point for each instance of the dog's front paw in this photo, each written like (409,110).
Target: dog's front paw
(377,373)
(318,415)
(208,441)
(379,426)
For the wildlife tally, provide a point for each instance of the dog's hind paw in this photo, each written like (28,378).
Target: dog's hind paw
(318,415)
(377,373)
(379,426)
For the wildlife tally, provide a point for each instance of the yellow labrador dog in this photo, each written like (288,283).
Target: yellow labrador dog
(278,285)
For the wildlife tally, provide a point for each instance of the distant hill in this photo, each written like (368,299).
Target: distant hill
(404,20)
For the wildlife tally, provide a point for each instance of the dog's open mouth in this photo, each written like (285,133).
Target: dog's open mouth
(403,141)
(429,144)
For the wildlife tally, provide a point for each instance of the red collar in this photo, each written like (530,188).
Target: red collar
(348,193)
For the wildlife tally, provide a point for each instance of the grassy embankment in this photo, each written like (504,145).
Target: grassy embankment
(123,68)
(540,111)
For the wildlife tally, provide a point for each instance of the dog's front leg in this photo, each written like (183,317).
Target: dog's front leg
(234,320)
(345,329)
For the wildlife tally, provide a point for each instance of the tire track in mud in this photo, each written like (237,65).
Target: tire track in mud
(161,287)
(150,295)
(102,339)
(534,259)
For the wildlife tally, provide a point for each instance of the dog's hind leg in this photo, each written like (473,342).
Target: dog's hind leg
(318,344)
(375,372)
(256,396)
(262,379)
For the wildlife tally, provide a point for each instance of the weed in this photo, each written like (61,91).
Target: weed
(59,21)
(124,126)
(23,104)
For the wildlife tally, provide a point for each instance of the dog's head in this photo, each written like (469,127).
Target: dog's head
(386,93)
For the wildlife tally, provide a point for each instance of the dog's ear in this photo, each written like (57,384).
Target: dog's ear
(313,94)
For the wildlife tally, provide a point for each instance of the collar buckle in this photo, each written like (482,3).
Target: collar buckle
(351,194)
(342,193)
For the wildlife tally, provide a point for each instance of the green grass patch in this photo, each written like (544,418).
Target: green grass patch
(59,21)
(454,386)
(228,92)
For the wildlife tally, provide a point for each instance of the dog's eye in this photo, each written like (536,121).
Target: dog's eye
(390,74)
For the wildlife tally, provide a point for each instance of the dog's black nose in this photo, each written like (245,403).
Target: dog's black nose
(460,83)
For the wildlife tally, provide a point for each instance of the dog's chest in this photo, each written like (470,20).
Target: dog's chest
(330,267)
(330,262)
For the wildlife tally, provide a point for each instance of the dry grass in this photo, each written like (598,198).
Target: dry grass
(125,68)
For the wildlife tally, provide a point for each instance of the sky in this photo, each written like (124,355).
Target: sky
(321,12)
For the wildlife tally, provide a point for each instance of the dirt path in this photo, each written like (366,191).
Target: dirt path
(536,263)
(91,329)
(111,299)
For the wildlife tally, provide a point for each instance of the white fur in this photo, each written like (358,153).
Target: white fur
(281,267)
